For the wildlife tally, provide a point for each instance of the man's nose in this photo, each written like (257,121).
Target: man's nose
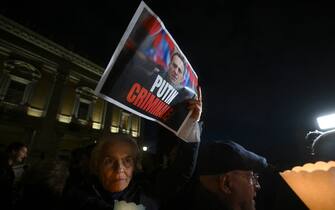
(257,186)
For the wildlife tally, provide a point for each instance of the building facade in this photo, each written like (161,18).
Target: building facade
(46,96)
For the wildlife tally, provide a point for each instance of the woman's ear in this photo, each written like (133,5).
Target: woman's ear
(224,184)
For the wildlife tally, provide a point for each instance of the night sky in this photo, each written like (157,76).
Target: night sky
(266,68)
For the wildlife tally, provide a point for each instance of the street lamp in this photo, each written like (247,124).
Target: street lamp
(144,148)
(312,180)
(326,122)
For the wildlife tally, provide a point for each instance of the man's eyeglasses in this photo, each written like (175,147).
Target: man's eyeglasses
(251,177)
(254,180)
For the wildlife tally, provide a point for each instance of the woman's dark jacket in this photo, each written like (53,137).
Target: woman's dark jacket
(150,191)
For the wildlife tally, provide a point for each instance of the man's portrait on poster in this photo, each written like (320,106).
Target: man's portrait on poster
(152,74)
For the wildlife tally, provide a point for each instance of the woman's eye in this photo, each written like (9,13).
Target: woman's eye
(108,161)
(128,161)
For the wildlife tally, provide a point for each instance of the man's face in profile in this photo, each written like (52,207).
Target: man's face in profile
(244,186)
(176,70)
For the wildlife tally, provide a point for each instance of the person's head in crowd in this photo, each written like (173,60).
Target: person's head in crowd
(176,69)
(80,158)
(47,175)
(114,161)
(323,146)
(228,171)
(42,185)
(17,152)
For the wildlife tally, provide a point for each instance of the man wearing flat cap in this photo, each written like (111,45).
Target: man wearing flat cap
(227,179)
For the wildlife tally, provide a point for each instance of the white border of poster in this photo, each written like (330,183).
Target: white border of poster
(115,56)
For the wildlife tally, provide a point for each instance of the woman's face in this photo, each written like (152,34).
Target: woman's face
(116,166)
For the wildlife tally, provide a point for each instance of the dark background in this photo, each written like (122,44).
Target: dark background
(266,67)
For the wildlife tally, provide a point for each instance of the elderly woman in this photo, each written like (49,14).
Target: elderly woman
(114,161)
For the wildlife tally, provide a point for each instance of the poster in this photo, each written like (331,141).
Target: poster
(148,74)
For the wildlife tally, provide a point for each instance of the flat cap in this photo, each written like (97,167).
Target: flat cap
(221,157)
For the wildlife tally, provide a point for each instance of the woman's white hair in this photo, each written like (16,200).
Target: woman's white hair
(110,138)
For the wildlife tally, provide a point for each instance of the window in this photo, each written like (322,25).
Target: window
(125,122)
(15,92)
(17,82)
(83,111)
(135,126)
(116,118)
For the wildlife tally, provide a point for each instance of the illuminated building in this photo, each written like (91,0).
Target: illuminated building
(46,95)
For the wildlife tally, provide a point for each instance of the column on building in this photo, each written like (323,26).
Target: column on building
(45,142)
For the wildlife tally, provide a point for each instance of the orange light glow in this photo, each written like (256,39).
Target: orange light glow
(314,184)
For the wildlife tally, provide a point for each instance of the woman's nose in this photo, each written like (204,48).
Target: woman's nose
(119,166)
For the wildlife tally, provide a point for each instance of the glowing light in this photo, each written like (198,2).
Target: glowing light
(134,133)
(145,148)
(96,125)
(326,122)
(64,118)
(314,184)
(34,112)
(114,129)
